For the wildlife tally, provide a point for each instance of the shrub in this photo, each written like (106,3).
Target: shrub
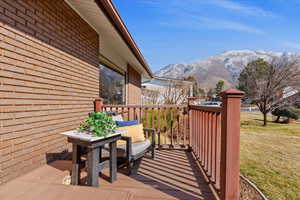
(288,112)
(99,124)
(297,104)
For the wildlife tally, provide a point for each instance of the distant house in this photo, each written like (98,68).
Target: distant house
(290,96)
(166,90)
(293,99)
(288,92)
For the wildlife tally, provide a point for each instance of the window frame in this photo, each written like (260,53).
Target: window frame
(123,75)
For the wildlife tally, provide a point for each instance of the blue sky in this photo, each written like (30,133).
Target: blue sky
(181,31)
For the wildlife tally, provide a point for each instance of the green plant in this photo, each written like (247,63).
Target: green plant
(99,124)
(288,112)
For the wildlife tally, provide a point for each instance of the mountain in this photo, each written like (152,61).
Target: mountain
(226,66)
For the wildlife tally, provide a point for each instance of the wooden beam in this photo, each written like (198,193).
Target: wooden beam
(230,145)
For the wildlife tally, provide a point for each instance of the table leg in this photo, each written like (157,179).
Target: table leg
(113,161)
(92,171)
(100,154)
(75,176)
(100,158)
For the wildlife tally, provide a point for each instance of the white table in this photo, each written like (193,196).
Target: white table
(81,140)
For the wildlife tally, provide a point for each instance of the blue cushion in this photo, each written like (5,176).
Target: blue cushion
(128,123)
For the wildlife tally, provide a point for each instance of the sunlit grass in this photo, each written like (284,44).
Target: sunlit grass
(270,156)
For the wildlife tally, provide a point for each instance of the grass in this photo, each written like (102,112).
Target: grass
(270,156)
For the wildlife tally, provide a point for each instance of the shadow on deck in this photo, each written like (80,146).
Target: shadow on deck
(172,175)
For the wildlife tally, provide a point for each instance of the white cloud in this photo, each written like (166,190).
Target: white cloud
(229,25)
(241,8)
(199,22)
(184,14)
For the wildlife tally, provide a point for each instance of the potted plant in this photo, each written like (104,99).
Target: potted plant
(98,124)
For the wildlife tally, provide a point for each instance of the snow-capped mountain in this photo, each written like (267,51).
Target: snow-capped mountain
(225,66)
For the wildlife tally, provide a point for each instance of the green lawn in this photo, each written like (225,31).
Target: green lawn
(270,156)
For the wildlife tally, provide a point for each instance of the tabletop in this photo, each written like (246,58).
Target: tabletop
(76,134)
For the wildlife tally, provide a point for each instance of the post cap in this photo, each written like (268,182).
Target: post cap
(232,93)
(191,99)
(99,99)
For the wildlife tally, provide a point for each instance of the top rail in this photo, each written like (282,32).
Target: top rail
(216,109)
(143,106)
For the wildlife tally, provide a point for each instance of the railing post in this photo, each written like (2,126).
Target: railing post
(230,144)
(98,105)
(190,100)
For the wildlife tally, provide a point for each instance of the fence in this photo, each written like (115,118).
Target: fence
(169,121)
(215,141)
(212,133)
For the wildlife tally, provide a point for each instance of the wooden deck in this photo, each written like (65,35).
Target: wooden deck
(172,175)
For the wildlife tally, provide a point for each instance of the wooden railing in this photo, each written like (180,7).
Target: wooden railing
(211,133)
(169,121)
(205,133)
(215,142)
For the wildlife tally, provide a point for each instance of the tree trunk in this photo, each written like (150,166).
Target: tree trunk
(277,120)
(265,119)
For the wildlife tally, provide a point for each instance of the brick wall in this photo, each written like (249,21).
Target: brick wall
(48,80)
(134,81)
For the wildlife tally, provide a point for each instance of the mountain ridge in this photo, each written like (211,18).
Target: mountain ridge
(225,66)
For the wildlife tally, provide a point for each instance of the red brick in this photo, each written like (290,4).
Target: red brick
(42,37)
(8,6)
(25,17)
(50,78)
(15,17)
(25,29)
(6,20)
(19,7)
(134,85)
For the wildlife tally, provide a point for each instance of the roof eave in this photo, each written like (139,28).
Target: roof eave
(113,15)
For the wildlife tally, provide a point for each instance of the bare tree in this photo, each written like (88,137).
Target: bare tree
(150,96)
(176,93)
(264,83)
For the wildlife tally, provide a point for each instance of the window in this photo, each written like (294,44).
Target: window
(112,86)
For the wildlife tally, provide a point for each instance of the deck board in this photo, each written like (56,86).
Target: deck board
(172,175)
